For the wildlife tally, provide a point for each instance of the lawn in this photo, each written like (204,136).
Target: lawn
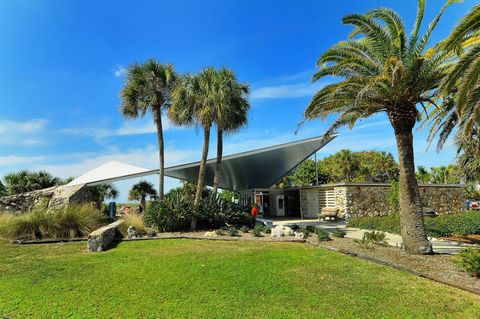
(214,279)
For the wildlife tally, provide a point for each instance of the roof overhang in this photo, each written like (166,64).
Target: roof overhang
(253,169)
(259,168)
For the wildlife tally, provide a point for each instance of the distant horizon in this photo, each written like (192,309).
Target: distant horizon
(63,65)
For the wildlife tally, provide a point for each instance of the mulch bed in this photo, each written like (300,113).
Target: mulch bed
(436,267)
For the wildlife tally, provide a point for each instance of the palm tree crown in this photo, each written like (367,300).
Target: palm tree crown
(148,88)
(382,69)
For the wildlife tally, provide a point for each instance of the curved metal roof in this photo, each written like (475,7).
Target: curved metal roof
(260,168)
(253,169)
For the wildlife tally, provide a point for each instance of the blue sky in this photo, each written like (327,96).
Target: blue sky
(63,62)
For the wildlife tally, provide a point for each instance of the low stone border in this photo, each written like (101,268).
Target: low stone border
(45,241)
(389,264)
(221,238)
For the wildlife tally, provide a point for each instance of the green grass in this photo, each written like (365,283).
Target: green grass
(205,279)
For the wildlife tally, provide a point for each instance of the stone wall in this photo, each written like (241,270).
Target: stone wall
(370,199)
(51,198)
(25,202)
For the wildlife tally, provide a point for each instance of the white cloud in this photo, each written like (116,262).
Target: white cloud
(120,71)
(127,128)
(26,132)
(372,124)
(142,157)
(29,126)
(12,160)
(284,91)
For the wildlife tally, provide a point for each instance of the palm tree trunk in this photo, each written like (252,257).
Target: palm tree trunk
(218,164)
(201,176)
(414,236)
(157,116)
(143,204)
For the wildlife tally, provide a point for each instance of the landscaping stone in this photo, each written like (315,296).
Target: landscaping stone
(300,235)
(102,238)
(210,234)
(281,231)
(21,203)
(131,232)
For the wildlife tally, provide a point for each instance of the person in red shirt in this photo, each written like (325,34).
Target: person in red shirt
(255,211)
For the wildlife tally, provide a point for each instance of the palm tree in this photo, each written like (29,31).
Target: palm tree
(194,101)
(148,88)
(423,175)
(461,106)
(463,81)
(384,70)
(102,192)
(140,191)
(231,113)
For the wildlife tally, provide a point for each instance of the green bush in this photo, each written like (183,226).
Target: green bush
(323,235)
(339,233)
(73,222)
(216,212)
(376,237)
(389,223)
(244,229)
(266,230)
(311,228)
(442,226)
(232,231)
(469,260)
(295,227)
(257,231)
(305,232)
(173,213)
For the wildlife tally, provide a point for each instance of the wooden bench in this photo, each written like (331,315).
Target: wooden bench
(330,212)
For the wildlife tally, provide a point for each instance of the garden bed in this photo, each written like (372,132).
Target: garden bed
(437,267)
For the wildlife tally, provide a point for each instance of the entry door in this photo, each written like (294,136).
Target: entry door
(280,205)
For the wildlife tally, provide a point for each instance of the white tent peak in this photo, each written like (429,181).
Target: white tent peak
(110,171)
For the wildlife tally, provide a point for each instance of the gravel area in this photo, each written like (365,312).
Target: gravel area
(435,267)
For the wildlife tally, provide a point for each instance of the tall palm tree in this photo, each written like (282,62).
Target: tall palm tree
(461,106)
(194,101)
(463,82)
(148,88)
(140,191)
(384,70)
(231,113)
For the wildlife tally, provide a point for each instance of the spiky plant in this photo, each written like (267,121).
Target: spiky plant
(382,69)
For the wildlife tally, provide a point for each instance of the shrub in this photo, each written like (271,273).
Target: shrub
(6,218)
(323,235)
(173,213)
(311,228)
(393,196)
(134,220)
(244,229)
(73,222)
(232,231)
(376,237)
(295,227)
(305,232)
(442,226)
(364,243)
(389,223)
(469,260)
(257,231)
(217,212)
(339,233)
(266,230)
(220,232)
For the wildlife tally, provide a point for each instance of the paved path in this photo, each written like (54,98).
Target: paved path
(439,246)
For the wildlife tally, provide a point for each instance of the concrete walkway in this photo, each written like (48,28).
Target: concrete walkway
(439,246)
